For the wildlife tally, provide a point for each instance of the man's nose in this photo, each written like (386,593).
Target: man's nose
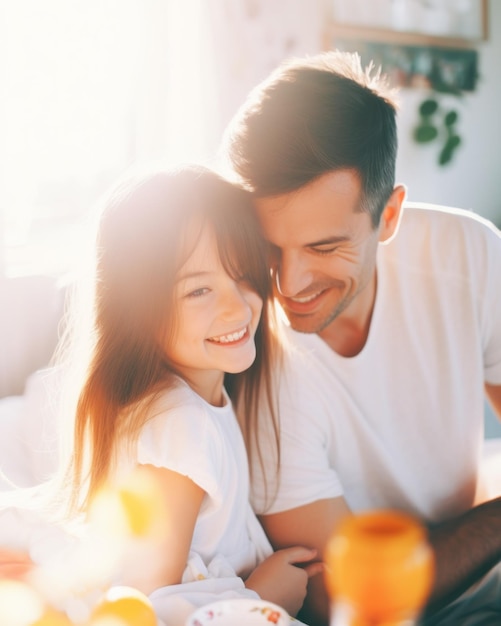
(292,275)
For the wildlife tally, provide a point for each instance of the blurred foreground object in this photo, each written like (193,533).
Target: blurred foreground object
(240,612)
(379,570)
(125,606)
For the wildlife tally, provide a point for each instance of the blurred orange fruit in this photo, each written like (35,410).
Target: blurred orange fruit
(380,563)
(124,605)
(134,507)
(52,617)
(19,603)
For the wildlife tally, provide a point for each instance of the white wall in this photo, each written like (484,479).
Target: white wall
(473,179)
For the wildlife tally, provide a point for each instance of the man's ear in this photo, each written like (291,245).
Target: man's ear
(390,218)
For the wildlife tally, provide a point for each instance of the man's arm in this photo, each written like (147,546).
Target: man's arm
(465,548)
(457,566)
(310,525)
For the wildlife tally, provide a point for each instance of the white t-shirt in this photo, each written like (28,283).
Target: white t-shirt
(401,424)
(198,440)
(203,442)
(195,439)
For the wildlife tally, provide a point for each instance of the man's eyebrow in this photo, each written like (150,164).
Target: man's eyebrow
(327,241)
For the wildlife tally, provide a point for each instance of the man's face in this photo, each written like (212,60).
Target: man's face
(323,251)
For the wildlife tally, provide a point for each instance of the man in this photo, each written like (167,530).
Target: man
(396,318)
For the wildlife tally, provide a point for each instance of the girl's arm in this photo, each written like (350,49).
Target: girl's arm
(164,562)
(282,578)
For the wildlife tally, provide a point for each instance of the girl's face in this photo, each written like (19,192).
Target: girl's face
(216,319)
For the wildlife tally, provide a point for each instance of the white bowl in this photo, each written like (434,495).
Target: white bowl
(241,612)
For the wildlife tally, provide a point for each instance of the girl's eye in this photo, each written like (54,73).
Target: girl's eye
(201,291)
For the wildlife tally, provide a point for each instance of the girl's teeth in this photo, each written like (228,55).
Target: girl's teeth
(229,338)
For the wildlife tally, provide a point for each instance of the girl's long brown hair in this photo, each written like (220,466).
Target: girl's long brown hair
(138,250)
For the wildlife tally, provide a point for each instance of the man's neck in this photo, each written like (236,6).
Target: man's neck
(347,334)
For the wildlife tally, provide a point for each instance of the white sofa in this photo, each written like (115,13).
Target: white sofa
(31,310)
(28,432)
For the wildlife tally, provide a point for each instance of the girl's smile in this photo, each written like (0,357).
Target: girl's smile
(232,338)
(216,318)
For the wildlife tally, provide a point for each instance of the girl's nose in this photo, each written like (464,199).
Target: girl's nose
(235,304)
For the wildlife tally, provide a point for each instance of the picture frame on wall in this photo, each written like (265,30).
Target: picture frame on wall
(459,23)
(446,69)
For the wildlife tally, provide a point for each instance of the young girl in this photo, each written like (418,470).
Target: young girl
(181,298)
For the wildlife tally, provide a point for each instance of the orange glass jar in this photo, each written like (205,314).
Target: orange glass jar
(379,570)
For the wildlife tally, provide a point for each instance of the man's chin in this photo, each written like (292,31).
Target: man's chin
(309,324)
(304,325)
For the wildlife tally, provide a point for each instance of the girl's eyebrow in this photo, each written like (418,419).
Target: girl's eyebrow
(199,274)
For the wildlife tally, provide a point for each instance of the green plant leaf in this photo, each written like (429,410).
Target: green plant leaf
(453,142)
(425,133)
(448,150)
(451,118)
(444,130)
(445,156)
(428,107)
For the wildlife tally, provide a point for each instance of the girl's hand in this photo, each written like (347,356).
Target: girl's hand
(279,580)
(14,564)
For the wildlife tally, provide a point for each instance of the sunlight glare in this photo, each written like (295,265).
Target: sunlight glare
(91,88)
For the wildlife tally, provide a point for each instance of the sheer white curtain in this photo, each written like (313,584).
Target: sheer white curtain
(91,87)
(176,100)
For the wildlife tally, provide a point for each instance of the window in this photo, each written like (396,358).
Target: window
(91,88)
